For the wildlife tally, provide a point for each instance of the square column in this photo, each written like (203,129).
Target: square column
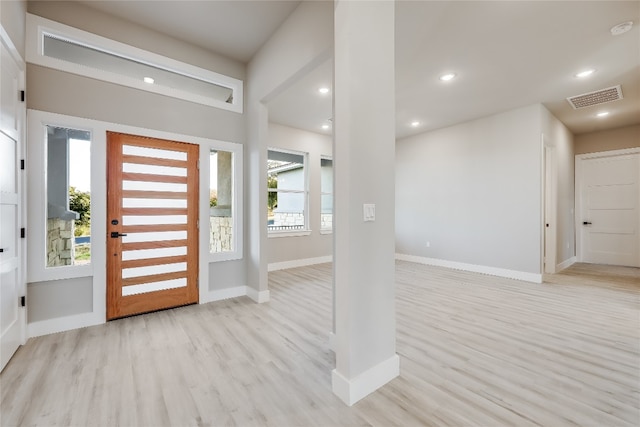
(364,167)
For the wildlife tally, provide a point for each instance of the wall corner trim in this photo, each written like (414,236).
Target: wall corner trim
(61,324)
(566,264)
(222,294)
(352,390)
(275,266)
(492,271)
(258,296)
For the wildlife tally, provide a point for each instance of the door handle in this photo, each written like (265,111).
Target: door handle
(115,234)
(586,223)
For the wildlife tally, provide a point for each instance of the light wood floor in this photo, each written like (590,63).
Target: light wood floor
(475,350)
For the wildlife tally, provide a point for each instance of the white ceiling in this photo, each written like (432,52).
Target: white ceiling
(505,54)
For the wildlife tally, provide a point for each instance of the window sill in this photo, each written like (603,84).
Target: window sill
(297,233)
(326,231)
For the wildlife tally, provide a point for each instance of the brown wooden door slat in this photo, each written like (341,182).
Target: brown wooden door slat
(141,160)
(154,228)
(147,262)
(140,280)
(154,211)
(158,244)
(139,194)
(119,305)
(150,177)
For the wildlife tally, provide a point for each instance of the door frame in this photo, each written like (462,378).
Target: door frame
(21,182)
(550,200)
(578,193)
(37,210)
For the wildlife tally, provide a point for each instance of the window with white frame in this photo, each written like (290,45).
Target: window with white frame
(326,193)
(287,188)
(224,166)
(58,46)
(68,193)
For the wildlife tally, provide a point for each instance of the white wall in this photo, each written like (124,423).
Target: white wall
(282,249)
(59,92)
(12,17)
(473,191)
(559,137)
(607,140)
(302,42)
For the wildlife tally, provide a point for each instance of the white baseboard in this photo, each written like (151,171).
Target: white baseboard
(492,271)
(566,264)
(257,296)
(332,341)
(274,266)
(352,390)
(222,294)
(61,324)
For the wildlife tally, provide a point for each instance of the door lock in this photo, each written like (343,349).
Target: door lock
(115,234)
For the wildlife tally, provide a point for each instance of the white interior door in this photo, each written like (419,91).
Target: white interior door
(549,210)
(11,121)
(608,209)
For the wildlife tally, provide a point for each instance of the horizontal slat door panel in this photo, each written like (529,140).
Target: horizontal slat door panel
(153,278)
(138,194)
(128,158)
(152,207)
(148,177)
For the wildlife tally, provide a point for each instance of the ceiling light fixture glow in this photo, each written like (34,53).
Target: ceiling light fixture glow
(415,124)
(585,73)
(325,126)
(148,80)
(603,114)
(621,28)
(447,77)
(323,90)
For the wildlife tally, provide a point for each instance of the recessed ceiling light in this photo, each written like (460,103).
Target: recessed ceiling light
(447,77)
(323,90)
(621,28)
(603,114)
(148,80)
(415,124)
(585,73)
(325,126)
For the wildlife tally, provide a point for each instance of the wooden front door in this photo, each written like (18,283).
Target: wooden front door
(152,224)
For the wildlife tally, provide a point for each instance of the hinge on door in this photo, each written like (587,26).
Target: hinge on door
(23,233)
(23,301)
(21,164)
(21,96)
(198,224)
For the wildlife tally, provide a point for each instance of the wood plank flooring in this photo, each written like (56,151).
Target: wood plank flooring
(474,350)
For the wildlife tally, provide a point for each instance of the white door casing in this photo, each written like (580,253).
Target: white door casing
(12,119)
(608,207)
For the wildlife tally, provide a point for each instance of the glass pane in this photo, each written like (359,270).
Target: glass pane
(134,150)
(326,211)
(156,170)
(97,59)
(289,212)
(153,219)
(326,197)
(154,269)
(8,231)
(154,186)
(152,237)
(154,203)
(221,201)
(153,286)
(68,180)
(153,253)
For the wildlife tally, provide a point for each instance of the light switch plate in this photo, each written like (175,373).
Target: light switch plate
(369,211)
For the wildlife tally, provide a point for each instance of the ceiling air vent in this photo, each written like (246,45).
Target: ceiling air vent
(595,98)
